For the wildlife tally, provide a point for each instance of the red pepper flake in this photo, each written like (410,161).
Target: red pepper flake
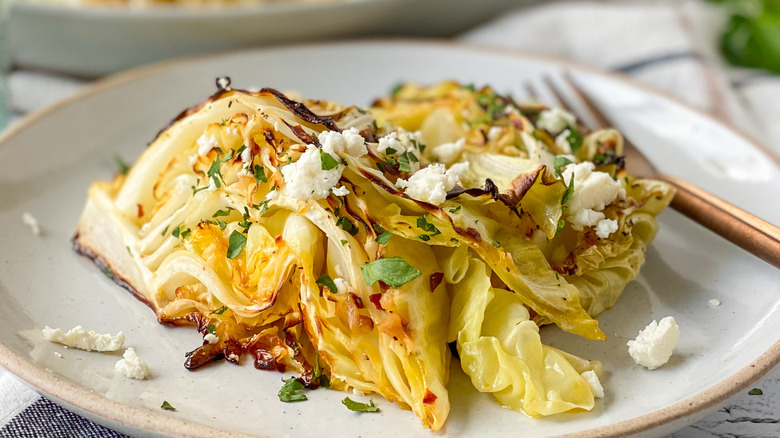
(435,280)
(140,210)
(375,299)
(429,397)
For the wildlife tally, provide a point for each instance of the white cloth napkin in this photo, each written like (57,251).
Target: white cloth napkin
(669,45)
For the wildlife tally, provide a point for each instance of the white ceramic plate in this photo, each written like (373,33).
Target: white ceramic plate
(94,40)
(47,162)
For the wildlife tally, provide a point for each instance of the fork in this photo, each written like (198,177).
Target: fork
(747,231)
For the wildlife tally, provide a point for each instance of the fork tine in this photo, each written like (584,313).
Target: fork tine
(598,116)
(531,91)
(562,102)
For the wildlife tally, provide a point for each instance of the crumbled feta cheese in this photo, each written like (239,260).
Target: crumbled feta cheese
(654,345)
(340,191)
(349,141)
(592,190)
(494,133)
(714,302)
(390,141)
(305,178)
(448,153)
(555,120)
(594,382)
(211,338)
(246,155)
(232,131)
(341,284)
(79,338)
(605,227)
(432,183)
(206,143)
(58,354)
(29,220)
(401,141)
(132,366)
(511,109)
(563,143)
(193,159)
(585,218)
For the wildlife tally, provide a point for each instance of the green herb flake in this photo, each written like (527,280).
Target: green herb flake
(259,172)
(212,329)
(569,191)
(198,189)
(390,151)
(185,233)
(176,231)
(496,243)
(454,210)
(403,162)
(220,213)
(107,272)
(360,407)
(167,406)
(470,87)
(263,206)
(290,391)
(574,138)
(560,162)
(347,225)
(222,225)
(396,89)
(453,240)
(383,235)
(122,165)
(756,391)
(241,149)
(424,225)
(380,167)
(326,281)
(424,237)
(344,242)
(219,311)
(393,271)
(327,161)
(236,244)
(165,231)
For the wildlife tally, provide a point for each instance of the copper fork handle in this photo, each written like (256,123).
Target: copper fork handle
(752,234)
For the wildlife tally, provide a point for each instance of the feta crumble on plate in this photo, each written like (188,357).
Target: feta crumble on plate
(78,337)
(30,220)
(132,366)
(654,345)
(432,183)
(592,192)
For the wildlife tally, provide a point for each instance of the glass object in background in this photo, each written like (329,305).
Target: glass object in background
(5,62)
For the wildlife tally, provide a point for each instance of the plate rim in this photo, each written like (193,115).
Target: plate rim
(103,408)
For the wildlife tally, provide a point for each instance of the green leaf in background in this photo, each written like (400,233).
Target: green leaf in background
(752,35)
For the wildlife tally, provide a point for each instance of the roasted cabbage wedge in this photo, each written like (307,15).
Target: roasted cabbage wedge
(351,246)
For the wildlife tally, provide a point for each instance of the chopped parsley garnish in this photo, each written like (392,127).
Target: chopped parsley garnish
(558,230)
(453,240)
(327,161)
(326,281)
(420,147)
(424,237)
(380,167)
(454,210)
(496,243)
(176,231)
(396,88)
(219,311)
(236,244)
(569,191)
(756,391)
(259,172)
(212,329)
(214,172)
(165,231)
(318,376)
(225,212)
(383,235)
(222,224)
(390,151)
(469,87)
(241,149)
(290,391)
(574,138)
(360,407)
(559,163)
(185,233)
(123,166)
(344,242)
(198,189)
(245,222)
(227,156)
(424,225)
(393,271)
(347,225)
(405,160)
(107,272)
(224,122)
(167,406)
(263,206)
